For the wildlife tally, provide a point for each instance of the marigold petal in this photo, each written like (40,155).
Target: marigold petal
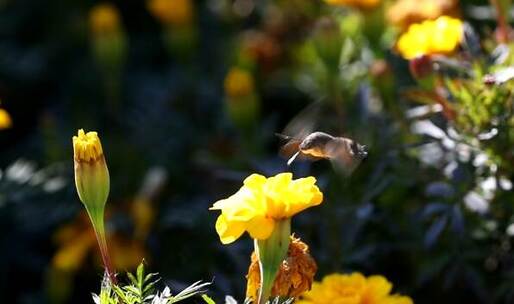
(377,288)
(397,299)
(260,227)
(254,181)
(229,231)
(352,289)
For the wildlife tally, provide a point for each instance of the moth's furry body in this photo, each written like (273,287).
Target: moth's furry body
(343,152)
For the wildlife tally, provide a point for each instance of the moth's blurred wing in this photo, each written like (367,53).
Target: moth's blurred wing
(343,160)
(345,166)
(304,123)
(290,146)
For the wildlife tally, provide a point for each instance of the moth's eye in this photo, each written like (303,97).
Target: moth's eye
(306,144)
(355,147)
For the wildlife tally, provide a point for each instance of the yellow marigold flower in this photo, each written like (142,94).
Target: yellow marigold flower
(261,202)
(352,288)
(363,4)
(294,277)
(406,12)
(440,36)
(5,120)
(172,12)
(238,83)
(104,19)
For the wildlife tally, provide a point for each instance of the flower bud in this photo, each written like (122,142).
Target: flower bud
(92,183)
(91,174)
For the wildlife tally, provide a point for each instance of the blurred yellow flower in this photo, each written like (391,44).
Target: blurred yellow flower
(261,202)
(143,214)
(172,12)
(104,19)
(440,36)
(352,288)
(294,277)
(406,12)
(5,120)
(238,83)
(76,242)
(126,253)
(363,4)
(242,101)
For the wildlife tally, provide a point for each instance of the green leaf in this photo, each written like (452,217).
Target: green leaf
(140,275)
(132,278)
(133,289)
(207,299)
(149,287)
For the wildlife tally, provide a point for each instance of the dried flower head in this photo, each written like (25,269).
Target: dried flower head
(406,12)
(294,277)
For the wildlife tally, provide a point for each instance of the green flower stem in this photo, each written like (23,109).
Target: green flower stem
(98,225)
(271,252)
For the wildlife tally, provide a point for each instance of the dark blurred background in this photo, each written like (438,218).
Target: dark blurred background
(186,97)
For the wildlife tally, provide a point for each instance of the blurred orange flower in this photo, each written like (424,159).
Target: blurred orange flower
(104,19)
(76,242)
(5,120)
(363,4)
(260,47)
(238,83)
(172,12)
(126,252)
(406,12)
